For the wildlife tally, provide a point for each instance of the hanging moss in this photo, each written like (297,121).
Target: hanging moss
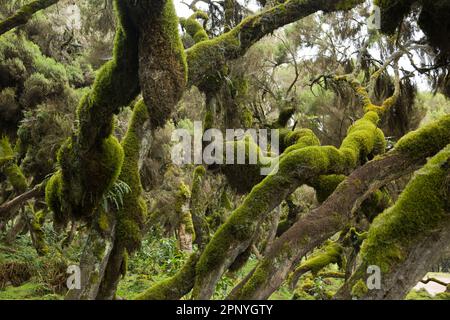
(162,79)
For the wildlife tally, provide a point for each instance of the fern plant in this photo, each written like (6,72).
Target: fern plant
(115,195)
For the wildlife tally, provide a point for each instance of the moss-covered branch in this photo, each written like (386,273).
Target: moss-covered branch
(194,28)
(331,217)
(400,238)
(130,217)
(162,60)
(330,253)
(207,59)
(24,14)
(296,168)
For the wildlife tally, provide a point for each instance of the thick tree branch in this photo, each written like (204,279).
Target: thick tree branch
(207,59)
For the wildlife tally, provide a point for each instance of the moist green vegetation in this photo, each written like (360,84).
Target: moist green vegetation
(331,252)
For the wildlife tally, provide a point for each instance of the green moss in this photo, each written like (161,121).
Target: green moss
(160,39)
(181,206)
(91,161)
(325,185)
(359,290)
(427,140)
(419,210)
(103,221)
(295,168)
(194,28)
(330,253)
(53,196)
(298,139)
(208,77)
(8,167)
(16,178)
(244,176)
(27,291)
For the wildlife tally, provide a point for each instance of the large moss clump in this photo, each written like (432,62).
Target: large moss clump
(194,28)
(9,167)
(162,61)
(295,168)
